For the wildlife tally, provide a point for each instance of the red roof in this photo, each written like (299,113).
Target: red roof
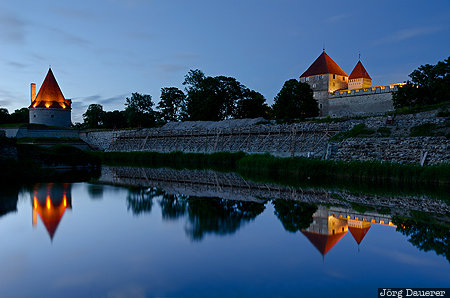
(359,72)
(323,65)
(322,242)
(50,95)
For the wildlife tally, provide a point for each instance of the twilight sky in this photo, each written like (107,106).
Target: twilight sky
(103,50)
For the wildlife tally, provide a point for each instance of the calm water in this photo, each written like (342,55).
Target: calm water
(80,239)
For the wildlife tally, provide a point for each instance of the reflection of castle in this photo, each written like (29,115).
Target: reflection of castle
(330,225)
(50,201)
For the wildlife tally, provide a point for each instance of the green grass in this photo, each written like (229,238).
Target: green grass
(424,108)
(369,177)
(430,129)
(12,125)
(359,130)
(47,139)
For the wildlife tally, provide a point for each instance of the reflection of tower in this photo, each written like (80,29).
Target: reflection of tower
(50,202)
(358,229)
(325,230)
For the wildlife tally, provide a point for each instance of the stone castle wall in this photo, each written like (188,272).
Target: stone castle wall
(302,139)
(51,117)
(360,105)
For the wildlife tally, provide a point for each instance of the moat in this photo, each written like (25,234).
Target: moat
(138,232)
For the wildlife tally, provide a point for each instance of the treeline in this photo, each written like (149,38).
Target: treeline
(18,116)
(429,85)
(205,98)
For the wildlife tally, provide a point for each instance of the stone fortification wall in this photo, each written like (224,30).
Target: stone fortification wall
(360,105)
(429,150)
(24,132)
(100,139)
(302,139)
(361,102)
(51,117)
(305,139)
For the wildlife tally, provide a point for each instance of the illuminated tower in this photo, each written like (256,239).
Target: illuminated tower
(50,201)
(50,107)
(325,230)
(324,76)
(359,78)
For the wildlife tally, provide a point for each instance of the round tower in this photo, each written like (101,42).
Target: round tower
(49,107)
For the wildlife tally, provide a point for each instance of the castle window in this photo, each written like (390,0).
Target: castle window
(314,85)
(307,79)
(334,76)
(320,105)
(343,78)
(34,116)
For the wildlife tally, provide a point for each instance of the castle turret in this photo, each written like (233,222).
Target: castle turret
(324,76)
(50,107)
(359,78)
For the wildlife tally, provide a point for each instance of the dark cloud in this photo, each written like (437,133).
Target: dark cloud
(186,56)
(405,34)
(74,13)
(98,99)
(7,98)
(12,28)
(67,37)
(338,17)
(171,68)
(80,104)
(17,64)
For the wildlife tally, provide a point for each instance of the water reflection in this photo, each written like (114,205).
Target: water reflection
(50,201)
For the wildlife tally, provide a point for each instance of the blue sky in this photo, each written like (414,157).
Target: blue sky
(103,50)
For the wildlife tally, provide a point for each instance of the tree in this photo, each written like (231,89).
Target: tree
(430,84)
(4,116)
(172,100)
(139,111)
(251,105)
(93,116)
(210,98)
(114,119)
(20,116)
(217,98)
(295,100)
(295,216)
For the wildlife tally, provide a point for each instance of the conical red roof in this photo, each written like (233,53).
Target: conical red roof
(359,72)
(323,65)
(358,233)
(50,89)
(323,242)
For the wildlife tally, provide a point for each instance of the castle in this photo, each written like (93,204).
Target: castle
(50,107)
(340,95)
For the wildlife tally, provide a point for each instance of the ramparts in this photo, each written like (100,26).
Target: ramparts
(361,102)
(303,139)
(306,139)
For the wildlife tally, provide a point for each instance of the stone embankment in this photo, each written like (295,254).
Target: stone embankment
(306,139)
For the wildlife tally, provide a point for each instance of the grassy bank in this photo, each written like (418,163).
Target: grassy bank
(368,177)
